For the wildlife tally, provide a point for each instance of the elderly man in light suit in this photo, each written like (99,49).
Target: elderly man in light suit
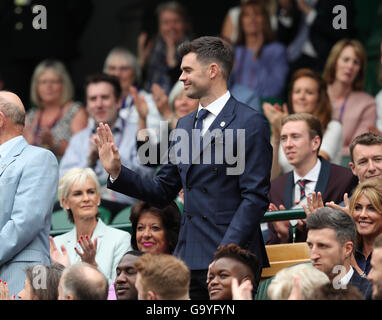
(28,186)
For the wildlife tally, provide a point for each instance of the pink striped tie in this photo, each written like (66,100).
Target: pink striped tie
(301,183)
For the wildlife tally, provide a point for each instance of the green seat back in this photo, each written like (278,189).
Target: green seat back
(284,215)
(61,223)
(122,220)
(105,214)
(60,220)
(180,205)
(262,290)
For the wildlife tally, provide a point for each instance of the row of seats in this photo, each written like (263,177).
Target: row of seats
(280,256)
(61,224)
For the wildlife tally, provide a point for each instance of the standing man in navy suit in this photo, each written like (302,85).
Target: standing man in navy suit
(222,204)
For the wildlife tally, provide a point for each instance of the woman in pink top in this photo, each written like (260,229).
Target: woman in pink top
(345,75)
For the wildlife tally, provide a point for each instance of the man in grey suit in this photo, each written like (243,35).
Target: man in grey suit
(28,186)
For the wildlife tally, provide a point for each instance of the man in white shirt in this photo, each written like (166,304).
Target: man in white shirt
(122,64)
(222,203)
(103,94)
(331,240)
(301,136)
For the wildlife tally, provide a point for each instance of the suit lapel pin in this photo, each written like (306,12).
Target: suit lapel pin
(222,124)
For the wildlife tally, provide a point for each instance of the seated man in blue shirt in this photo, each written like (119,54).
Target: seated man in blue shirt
(103,103)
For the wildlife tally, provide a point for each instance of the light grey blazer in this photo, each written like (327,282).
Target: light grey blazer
(28,187)
(112,244)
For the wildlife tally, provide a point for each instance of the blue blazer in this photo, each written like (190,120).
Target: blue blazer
(28,187)
(218,208)
(364,285)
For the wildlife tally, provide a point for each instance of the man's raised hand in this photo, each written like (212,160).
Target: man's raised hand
(108,152)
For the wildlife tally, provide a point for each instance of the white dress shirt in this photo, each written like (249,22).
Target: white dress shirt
(312,176)
(214,108)
(346,278)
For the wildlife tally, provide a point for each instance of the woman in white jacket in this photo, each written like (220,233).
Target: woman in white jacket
(90,240)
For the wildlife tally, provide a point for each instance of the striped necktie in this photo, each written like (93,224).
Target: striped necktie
(302,183)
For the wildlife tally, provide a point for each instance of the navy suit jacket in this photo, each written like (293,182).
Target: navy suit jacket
(364,285)
(218,208)
(333,182)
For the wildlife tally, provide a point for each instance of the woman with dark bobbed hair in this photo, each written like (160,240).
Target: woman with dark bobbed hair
(155,230)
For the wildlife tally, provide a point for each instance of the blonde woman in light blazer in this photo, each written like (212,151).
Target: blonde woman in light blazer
(90,240)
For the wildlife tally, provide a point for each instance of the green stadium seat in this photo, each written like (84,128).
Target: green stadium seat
(122,220)
(284,215)
(180,205)
(105,214)
(61,223)
(262,289)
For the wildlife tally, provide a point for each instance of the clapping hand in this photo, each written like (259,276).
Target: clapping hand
(281,227)
(93,152)
(89,249)
(144,48)
(295,293)
(242,291)
(346,209)
(140,103)
(314,202)
(45,138)
(161,101)
(4,291)
(56,256)
(275,113)
(303,7)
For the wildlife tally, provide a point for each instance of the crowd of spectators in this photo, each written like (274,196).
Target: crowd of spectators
(305,76)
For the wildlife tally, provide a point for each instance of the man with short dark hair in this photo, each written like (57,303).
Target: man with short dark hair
(103,103)
(82,281)
(224,198)
(331,240)
(301,136)
(124,284)
(366,156)
(375,274)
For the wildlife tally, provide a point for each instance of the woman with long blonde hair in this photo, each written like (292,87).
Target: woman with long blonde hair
(366,211)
